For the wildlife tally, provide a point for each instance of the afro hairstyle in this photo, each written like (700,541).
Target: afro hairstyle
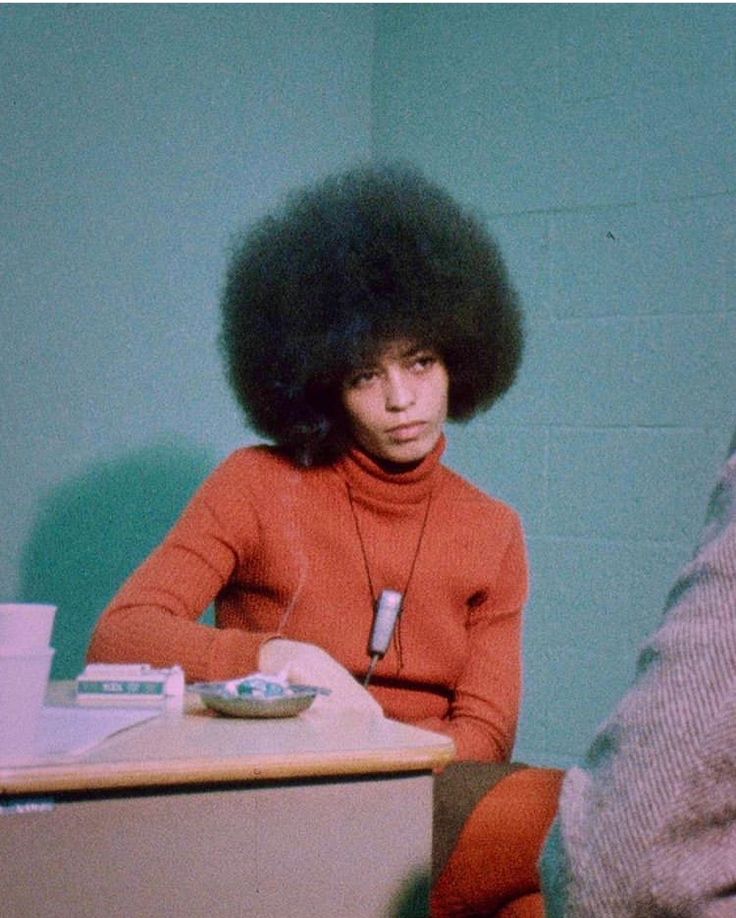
(317,289)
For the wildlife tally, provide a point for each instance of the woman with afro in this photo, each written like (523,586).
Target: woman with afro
(356,320)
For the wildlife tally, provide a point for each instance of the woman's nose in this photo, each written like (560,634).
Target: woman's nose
(398,392)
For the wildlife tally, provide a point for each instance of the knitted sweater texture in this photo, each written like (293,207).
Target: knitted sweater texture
(293,552)
(647,825)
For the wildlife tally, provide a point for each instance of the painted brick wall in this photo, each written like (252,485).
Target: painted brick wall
(599,142)
(135,139)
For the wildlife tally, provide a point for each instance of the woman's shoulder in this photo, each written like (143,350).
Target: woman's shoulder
(463,493)
(260,456)
(252,468)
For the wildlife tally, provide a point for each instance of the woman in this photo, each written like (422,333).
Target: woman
(356,320)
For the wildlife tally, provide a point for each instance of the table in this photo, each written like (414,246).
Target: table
(192,815)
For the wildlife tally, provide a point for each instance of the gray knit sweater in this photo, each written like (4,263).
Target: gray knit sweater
(647,825)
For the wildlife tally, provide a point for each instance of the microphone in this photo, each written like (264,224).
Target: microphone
(388,609)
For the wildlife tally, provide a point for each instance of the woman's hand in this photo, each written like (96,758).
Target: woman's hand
(308,664)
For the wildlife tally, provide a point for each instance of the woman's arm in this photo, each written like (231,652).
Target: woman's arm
(154,618)
(484,711)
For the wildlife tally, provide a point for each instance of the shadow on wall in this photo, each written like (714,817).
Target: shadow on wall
(93,531)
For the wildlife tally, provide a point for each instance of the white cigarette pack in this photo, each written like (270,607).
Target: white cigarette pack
(128,683)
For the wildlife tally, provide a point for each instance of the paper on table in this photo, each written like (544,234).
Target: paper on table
(72,731)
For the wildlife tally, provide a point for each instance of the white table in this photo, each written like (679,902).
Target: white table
(196,815)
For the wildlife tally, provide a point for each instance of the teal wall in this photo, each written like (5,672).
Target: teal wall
(135,140)
(597,140)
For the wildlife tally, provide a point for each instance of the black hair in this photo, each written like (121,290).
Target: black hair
(370,256)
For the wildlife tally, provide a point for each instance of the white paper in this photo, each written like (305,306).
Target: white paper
(72,731)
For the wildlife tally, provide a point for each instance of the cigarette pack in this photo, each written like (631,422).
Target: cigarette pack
(128,683)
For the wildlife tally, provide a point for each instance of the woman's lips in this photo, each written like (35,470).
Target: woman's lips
(404,432)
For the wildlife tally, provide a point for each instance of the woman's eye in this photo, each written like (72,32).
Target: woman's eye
(361,379)
(424,361)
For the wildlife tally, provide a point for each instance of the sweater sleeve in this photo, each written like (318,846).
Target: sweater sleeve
(154,618)
(484,710)
(689,868)
(647,823)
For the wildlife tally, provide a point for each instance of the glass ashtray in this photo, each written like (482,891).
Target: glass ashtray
(257,696)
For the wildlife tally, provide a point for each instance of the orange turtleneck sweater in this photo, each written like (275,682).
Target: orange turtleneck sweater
(292,552)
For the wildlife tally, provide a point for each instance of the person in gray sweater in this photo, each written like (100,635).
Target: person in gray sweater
(646,826)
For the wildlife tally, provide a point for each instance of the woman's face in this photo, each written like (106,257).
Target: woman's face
(397,406)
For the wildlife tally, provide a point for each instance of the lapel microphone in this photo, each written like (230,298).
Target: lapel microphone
(388,609)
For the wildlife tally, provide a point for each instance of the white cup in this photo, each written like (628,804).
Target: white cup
(23,680)
(26,626)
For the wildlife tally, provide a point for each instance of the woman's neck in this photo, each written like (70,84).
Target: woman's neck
(399,483)
(395,468)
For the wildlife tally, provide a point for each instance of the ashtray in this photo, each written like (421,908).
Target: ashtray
(257,696)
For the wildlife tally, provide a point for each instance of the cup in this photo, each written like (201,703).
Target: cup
(26,626)
(24,676)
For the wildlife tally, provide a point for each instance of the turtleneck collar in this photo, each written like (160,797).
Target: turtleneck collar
(368,480)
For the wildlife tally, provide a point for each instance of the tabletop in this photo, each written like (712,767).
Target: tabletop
(197,746)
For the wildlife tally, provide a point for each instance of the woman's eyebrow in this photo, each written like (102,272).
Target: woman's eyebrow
(413,349)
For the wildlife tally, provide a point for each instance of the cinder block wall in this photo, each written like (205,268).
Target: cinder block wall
(135,139)
(599,143)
